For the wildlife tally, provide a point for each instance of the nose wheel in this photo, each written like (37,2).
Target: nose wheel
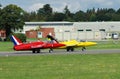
(83,48)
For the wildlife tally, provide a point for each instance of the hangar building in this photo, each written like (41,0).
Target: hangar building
(78,30)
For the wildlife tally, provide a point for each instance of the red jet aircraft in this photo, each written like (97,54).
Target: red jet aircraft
(34,46)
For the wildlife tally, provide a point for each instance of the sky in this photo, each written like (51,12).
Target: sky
(59,5)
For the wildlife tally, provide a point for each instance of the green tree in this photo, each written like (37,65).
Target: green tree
(80,16)
(47,9)
(58,16)
(45,13)
(67,14)
(93,17)
(12,19)
(91,14)
(100,15)
(117,15)
(118,11)
(0,14)
(48,12)
(33,16)
(26,17)
(41,15)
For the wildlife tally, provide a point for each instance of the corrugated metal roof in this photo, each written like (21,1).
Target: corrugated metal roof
(49,23)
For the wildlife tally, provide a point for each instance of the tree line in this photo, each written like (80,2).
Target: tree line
(12,17)
(47,14)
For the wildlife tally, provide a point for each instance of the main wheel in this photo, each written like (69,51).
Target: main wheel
(33,51)
(72,49)
(68,49)
(38,50)
(51,50)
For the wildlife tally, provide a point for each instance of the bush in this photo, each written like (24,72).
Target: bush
(21,36)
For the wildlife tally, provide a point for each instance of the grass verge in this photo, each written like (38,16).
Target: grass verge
(68,66)
(8,46)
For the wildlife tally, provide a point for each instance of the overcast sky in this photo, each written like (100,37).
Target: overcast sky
(59,5)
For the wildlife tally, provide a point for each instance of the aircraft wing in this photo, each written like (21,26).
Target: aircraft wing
(71,43)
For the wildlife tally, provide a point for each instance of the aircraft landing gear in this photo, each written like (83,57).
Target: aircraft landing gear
(33,51)
(51,50)
(36,51)
(70,49)
(83,48)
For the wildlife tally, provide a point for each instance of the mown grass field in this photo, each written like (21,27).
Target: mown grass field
(62,66)
(65,66)
(6,46)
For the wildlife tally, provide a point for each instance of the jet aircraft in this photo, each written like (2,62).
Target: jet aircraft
(34,46)
(70,45)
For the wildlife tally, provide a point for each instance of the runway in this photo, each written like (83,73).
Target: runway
(57,52)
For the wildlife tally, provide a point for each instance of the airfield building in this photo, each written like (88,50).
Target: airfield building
(76,30)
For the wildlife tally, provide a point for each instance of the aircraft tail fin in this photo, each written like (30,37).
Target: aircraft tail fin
(15,40)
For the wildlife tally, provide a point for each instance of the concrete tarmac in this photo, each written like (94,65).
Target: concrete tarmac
(45,52)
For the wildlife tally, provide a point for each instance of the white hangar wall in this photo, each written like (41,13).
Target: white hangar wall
(78,30)
(100,30)
(96,26)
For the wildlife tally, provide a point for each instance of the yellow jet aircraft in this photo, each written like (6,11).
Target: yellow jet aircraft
(70,45)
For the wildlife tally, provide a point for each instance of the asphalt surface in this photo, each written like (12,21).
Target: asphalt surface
(45,52)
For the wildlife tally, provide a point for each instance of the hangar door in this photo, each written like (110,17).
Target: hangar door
(81,36)
(89,35)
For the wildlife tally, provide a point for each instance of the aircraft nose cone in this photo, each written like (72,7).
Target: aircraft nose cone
(90,43)
(93,43)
